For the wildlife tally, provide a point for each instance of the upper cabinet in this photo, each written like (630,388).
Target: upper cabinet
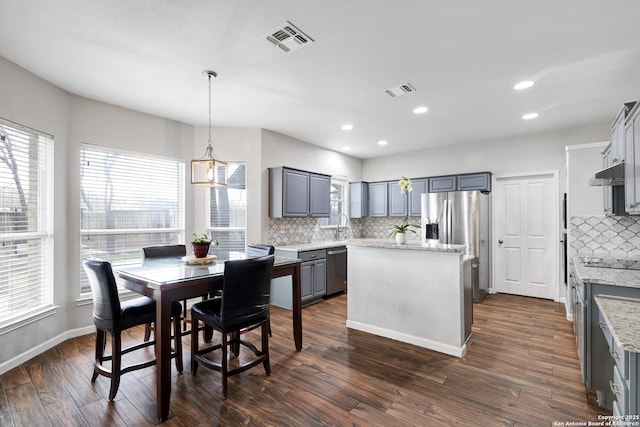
(295,194)
(420,185)
(398,202)
(358,199)
(378,199)
(467,182)
(617,152)
(632,161)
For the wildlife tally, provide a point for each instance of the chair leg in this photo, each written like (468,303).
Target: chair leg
(177,336)
(224,367)
(194,345)
(100,343)
(116,348)
(266,326)
(184,314)
(147,331)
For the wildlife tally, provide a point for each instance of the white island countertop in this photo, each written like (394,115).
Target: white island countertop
(391,244)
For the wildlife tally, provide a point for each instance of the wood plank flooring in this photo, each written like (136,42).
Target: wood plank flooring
(521,369)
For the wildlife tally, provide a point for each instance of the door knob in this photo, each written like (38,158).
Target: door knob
(500,241)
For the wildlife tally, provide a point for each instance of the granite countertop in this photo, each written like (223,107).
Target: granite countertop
(605,276)
(312,246)
(622,316)
(391,244)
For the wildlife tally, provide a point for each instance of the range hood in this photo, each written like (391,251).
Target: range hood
(613,175)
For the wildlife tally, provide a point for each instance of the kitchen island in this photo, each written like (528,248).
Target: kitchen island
(411,293)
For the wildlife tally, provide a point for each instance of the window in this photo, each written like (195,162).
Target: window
(26,221)
(128,201)
(228,213)
(338,202)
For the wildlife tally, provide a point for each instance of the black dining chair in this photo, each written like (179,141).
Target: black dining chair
(166,252)
(111,316)
(244,303)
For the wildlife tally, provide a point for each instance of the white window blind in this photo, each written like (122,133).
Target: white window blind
(26,221)
(228,213)
(128,201)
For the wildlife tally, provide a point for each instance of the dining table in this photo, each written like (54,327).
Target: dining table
(171,278)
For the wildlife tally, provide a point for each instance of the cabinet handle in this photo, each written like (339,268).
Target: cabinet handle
(614,388)
(602,326)
(631,205)
(615,355)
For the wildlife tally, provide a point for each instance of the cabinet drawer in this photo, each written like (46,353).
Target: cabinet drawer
(620,390)
(312,255)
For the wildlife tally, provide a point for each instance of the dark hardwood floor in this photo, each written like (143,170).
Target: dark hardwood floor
(521,368)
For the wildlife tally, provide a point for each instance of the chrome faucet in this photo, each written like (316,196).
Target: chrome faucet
(346,219)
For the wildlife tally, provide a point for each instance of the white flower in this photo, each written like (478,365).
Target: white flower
(405,185)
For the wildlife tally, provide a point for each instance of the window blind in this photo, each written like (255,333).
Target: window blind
(228,213)
(26,221)
(128,201)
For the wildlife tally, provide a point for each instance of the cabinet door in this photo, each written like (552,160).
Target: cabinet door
(632,164)
(441,184)
(419,186)
(607,199)
(476,181)
(378,199)
(320,278)
(295,193)
(398,202)
(617,137)
(319,195)
(306,280)
(358,200)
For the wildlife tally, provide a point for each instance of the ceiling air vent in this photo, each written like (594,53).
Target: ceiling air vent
(400,90)
(288,37)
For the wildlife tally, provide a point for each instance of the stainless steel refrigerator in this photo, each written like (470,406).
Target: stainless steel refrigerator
(462,218)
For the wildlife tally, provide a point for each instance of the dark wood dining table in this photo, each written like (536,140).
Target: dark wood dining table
(167,279)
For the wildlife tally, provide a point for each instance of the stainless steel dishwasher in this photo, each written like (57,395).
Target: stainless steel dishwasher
(336,269)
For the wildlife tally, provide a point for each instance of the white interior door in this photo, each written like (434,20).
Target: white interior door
(525,244)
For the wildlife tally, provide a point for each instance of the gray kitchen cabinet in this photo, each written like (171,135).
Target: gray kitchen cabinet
(618,154)
(607,200)
(378,199)
(358,199)
(474,181)
(440,184)
(419,185)
(313,275)
(398,202)
(631,140)
(295,193)
(319,195)
(597,364)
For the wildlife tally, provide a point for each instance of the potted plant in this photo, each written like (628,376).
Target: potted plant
(201,244)
(399,231)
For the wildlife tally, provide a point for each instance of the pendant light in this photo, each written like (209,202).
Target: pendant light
(207,170)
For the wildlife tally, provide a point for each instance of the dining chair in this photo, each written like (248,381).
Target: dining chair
(244,303)
(111,316)
(165,252)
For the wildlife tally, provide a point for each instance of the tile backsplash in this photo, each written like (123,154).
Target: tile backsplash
(605,236)
(295,231)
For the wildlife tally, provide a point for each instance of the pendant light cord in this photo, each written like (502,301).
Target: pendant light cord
(209,75)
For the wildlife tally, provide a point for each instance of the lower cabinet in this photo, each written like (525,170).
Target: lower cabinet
(314,280)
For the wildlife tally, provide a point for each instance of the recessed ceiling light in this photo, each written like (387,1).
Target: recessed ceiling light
(526,84)
(383,142)
(420,110)
(347,126)
(530,116)
(346,148)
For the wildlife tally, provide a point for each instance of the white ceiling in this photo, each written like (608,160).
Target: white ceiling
(462,56)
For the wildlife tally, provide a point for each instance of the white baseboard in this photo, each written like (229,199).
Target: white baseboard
(41,348)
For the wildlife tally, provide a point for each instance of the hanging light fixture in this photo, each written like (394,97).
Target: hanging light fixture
(207,170)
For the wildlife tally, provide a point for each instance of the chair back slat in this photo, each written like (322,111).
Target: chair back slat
(258,249)
(104,292)
(246,292)
(164,251)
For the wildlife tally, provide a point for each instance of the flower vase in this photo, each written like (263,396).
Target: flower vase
(200,250)
(401,238)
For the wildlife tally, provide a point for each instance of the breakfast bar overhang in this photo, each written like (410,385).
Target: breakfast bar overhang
(418,294)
